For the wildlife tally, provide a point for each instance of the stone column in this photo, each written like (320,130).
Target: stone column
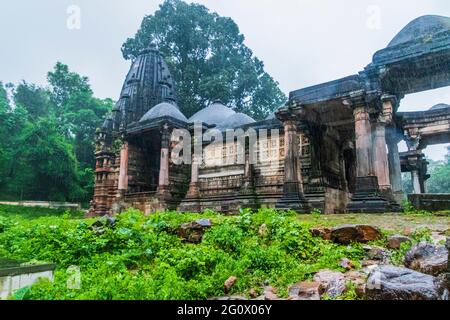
(192,201)
(395,171)
(193,191)
(367,192)
(247,168)
(380,158)
(123,171)
(293,197)
(291,156)
(415,181)
(163,184)
(363,136)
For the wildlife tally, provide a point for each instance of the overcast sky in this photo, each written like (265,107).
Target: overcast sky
(302,42)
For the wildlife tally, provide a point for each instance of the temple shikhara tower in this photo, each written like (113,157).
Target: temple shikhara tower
(335,144)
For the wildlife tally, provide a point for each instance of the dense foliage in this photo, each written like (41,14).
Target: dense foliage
(47,138)
(208,59)
(143,257)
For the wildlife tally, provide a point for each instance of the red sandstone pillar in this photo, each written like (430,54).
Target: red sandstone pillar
(164,161)
(123,171)
(363,142)
(193,191)
(380,158)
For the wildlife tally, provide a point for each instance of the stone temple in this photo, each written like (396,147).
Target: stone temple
(336,149)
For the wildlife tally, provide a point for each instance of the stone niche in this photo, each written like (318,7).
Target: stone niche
(15,275)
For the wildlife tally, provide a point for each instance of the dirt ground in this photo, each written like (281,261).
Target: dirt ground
(395,223)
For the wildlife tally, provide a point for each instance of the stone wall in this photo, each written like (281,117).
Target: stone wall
(430,202)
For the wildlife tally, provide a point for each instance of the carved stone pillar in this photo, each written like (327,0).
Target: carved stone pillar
(123,171)
(380,157)
(192,200)
(415,181)
(163,185)
(293,197)
(395,170)
(363,137)
(193,191)
(367,193)
(248,172)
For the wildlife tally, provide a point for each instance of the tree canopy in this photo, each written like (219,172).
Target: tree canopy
(47,138)
(208,59)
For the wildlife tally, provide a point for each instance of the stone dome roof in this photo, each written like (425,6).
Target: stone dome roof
(164,109)
(425,26)
(440,106)
(234,121)
(215,113)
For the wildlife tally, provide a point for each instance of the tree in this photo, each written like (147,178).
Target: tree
(208,59)
(78,111)
(12,121)
(47,138)
(46,162)
(439,181)
(34,99)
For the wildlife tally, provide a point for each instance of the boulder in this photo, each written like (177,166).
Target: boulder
(99,226)
(229,283)
(324,233)
(193,231)
(252,293)
(346,264)
(427,258)
(368,263)
(379,254)
(305,290)
(332,283)
(395,283)
(395,241)
(348,233)
(270,294)
(437,237)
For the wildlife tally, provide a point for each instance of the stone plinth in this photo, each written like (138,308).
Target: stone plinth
(430,202)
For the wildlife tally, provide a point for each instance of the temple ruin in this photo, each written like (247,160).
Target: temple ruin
(336,143)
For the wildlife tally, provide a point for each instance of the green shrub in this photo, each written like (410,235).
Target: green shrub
(142,257)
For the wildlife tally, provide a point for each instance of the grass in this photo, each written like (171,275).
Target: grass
(31,213)
(142,257)
(392,223)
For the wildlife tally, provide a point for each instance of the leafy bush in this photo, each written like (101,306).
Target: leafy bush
(142,257)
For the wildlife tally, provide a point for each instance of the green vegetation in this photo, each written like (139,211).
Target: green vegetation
(208,59)
(47,138)
(143,257)
(438,182)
